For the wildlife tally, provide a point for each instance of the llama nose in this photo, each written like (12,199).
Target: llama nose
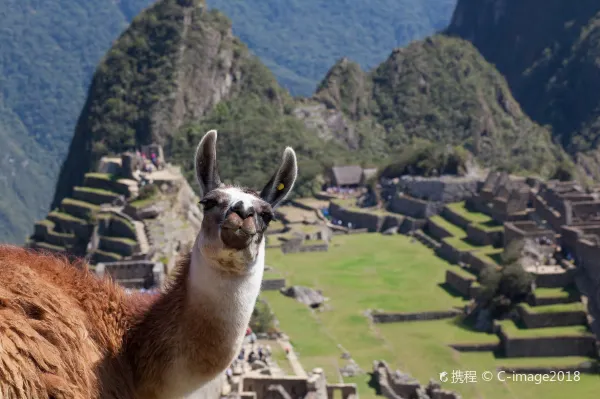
(243,212)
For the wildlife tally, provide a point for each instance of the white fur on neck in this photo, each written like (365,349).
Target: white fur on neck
(232,298)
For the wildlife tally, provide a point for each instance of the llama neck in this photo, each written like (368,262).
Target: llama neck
(203,320)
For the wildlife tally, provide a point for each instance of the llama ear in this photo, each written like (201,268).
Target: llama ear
(283,180)
(206,163)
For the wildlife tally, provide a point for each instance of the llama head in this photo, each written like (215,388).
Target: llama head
(235,218)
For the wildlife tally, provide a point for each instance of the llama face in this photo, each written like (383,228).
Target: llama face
(235,219)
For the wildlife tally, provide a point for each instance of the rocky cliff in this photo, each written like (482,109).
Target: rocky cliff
(548,54)
(176,61)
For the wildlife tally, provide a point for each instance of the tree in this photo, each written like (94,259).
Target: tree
(262,320)
(505,286)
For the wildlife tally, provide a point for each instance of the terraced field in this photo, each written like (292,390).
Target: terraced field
(396,273)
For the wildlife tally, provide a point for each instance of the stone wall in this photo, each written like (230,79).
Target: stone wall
(460,281)
(455,218)
(133,274)
(445,189)
(525,230)
(449,253)
(61,239)
(413,207)
(117,224)
(584,345)
(474,347)
(296,387)
(273,284)
(299,245)
(107,184)
(411,224)
(400,385)
(94,197)
(363,219)
(480,236)
(555,280)
(346,391)
(554,218)
(476,263)
(531,319)
(569,235)
(418,316)
(80,228)
(585,211)
(78,209)
(437,231)
(119,246)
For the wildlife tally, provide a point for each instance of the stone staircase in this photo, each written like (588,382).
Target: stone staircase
(426,240)
(142,238)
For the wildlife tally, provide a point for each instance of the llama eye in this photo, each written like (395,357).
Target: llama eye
(266,217)
(208,203)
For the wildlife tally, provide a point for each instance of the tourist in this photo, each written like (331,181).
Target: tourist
(242,354)
(260,353)
(251,357)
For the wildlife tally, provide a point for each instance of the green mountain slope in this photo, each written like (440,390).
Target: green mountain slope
(300,39)
(178,71)
(49,50)
(551,65)
(443,91)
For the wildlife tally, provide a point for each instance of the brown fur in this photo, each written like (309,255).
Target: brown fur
(64,333)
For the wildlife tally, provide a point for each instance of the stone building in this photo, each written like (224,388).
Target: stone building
(503,197)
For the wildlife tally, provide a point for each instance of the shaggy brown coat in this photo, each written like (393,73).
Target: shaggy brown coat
(64,333)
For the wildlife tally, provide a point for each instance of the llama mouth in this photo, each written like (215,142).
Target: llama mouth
(236,238)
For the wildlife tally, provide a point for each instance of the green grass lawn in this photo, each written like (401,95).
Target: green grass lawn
(558,307)
(474,217)
(552,292)
(453,229)
(389,273)
(462,244)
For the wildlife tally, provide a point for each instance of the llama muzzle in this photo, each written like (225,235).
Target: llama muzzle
(236,232)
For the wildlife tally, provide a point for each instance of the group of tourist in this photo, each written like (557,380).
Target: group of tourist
(148,165)
(259,353)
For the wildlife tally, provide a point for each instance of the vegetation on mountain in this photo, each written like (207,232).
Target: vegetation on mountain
(440,90)
(49,51)
(178,72)
(551,66)
(425,158)
(300,39)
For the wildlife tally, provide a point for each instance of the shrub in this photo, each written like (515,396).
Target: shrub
(428,159)
(262,320)
(503,288)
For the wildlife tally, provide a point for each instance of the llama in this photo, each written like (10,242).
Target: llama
(65,333)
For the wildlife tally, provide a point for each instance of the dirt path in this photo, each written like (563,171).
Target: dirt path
(293,359)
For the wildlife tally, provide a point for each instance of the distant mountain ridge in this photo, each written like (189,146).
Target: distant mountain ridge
(49,50)
(549,56)
(299,40)
(194,75)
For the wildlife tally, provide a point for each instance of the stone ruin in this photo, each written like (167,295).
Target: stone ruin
(312,386)
(503,197)
(399,385)
(422,197)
